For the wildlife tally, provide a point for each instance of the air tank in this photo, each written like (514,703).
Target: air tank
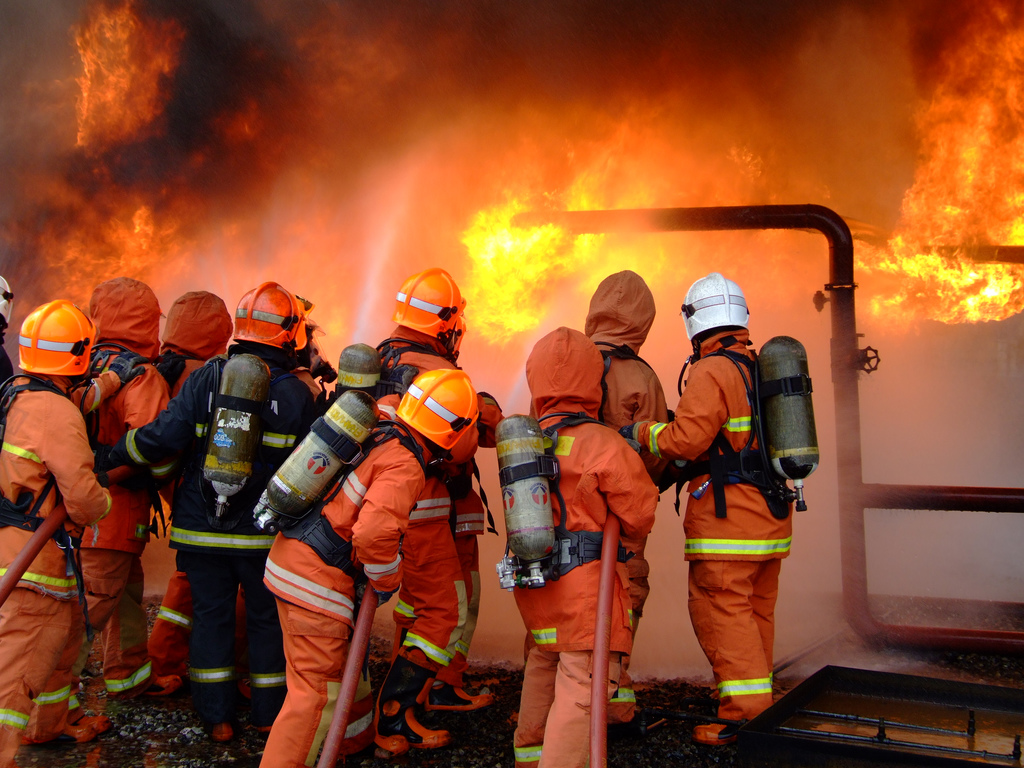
(358,367)
(787,411)
(525,495)
(334,440)
(236,431)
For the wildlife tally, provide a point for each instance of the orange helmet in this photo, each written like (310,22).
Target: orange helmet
(270,315)
(429,301)
(440,405)
(56,339)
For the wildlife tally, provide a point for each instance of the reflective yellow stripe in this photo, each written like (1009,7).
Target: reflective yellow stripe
(269,680)
(404,609)
(141,530)
(165,469)
(652,439)
(440,655)
(545,636)
(739,424)
(623,695)
(50,581)
(564,446)
(276,440)
(140,675)
(53,697)
(752,687)
(174,617)
(528,754)
(133,451)
(13,717)
(215,675)
(202,429)
(737,546)
(220,540)
(24,454)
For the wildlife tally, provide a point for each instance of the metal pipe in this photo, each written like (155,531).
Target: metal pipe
(846,363)
(54,520)
(349,680)
(602,644)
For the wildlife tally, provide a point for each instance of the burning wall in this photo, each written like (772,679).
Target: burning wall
(336,147)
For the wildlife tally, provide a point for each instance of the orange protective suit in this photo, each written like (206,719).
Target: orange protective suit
(734,560)
(126,313)
(316,601)
(621,314)
(45,438)
(198,327)
(599,474)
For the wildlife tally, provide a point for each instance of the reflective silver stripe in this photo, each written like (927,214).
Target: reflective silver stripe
(275,440)
(133,451)
(432,404)
(272,680)
(404,609)
(739,424)
(545,636)
(360,725)
(354,489)
(752,687)
(426,306)
(140,675)
(462,647)
(13,717)
(53,697)
(429,509)
(174,617)
(623,695)
(440,655)
(49,346)
(653,439)
(224,540)
(258,314)
(308,591)
(470,517)
(374,569)
(528,754)
(737,546)
(216,675)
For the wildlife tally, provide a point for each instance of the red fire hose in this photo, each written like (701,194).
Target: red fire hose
(33,547)
(602,643)
(349,680)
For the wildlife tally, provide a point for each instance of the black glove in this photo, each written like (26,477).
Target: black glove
(628,432)
(171,366)
(383,597)
(127,366)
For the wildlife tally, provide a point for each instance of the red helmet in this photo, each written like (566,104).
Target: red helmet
(56,339)
(270,315)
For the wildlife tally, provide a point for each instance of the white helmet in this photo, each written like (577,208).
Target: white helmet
(714,302)
(6,300)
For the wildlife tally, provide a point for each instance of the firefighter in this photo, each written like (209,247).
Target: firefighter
(598,475)
(221,553)
(198,327)
(127,317)
(367,515)
(428,310)
(734,544)
(6,304)
(620,317)
(46,467)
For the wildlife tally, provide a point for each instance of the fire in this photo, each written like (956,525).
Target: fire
(967,192)
(125,63)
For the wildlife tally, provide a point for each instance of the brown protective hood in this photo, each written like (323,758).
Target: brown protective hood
(126,311)
(621,311)
(564,373)
(198,325)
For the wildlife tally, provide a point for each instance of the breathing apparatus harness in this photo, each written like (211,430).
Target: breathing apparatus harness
(572,548)
(620,351)
(313,528)
(23,514)
(727,466)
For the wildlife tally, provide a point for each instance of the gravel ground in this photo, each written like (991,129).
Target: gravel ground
(165,733)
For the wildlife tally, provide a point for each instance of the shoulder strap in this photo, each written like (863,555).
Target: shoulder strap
(622,352)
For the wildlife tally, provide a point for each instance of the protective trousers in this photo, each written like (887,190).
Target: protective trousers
(468,548)
(168,640)
(556,700)
(114,584)
(622,706)
(34,632)
(215,579)
(732,608)
(315,647)
(432,599)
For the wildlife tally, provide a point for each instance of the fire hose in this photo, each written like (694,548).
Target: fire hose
(602,643)
(349,679)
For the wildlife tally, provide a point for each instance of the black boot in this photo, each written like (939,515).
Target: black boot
(402,694)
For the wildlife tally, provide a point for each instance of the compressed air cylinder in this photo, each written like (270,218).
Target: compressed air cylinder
(235,432)
(333,440)
(358,367)
(525,497)
(788,415)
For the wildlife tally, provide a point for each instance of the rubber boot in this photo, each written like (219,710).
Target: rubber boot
(715,734)
(448,698)
(402,694)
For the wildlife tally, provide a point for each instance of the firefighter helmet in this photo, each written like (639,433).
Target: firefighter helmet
(429,301)
(268,314)
(714,302)
(6,301)
(56,338)
(457,335)
(440,405)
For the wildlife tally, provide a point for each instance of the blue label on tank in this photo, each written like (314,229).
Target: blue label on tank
(221,439)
